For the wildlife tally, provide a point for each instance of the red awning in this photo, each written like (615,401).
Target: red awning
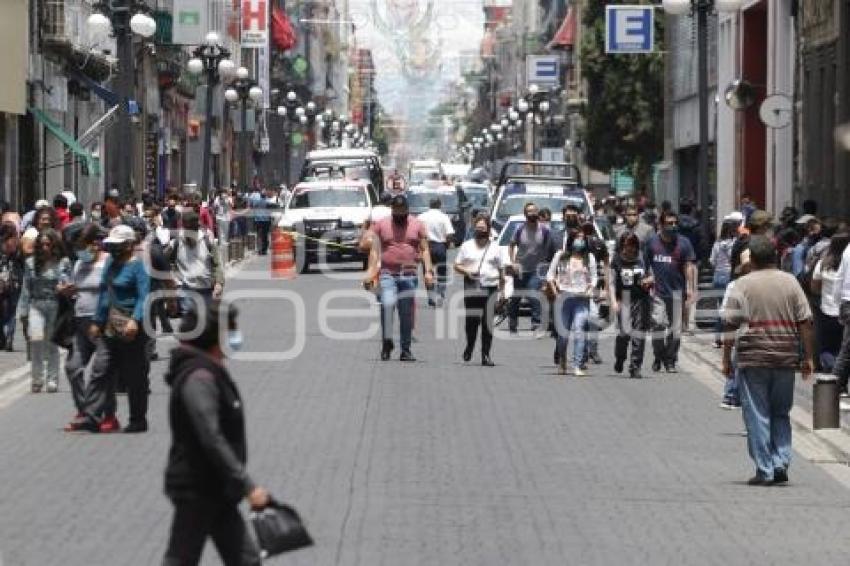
(565,37)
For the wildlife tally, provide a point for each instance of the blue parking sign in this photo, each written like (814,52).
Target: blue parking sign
(629,29)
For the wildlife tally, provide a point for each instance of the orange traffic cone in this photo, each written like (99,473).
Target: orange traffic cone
(283,255)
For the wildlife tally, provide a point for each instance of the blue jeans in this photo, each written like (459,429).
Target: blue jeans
(397,290)
(731,389)
(573,321)
(531,283)
(767,395)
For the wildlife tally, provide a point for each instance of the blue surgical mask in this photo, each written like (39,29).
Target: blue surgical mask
(579,246)
(85,256)
(235,339)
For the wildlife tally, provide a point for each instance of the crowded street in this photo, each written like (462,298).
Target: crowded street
(424,282)
(435,462)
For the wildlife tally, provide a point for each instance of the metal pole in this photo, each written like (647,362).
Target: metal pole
(703,8)
(243,146)
(205,179)
(121,23)
(286,152)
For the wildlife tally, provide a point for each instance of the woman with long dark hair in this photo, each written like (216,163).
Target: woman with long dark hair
(572,277)
(11,279)
(828,328)
(478,262)
(39,305)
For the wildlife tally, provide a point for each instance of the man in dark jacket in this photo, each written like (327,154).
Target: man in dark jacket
(205,477)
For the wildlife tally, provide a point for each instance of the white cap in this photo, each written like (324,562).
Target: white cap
(41,203)
(120,234)
(69,196)
(734,217)
(805,219)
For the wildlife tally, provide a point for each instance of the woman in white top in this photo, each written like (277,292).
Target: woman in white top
(824,279)
(572,279)
(478,261)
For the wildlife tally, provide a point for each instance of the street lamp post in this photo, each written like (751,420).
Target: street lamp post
(213,60)
(243,89)
(702,9)
(293,111)
(123,18)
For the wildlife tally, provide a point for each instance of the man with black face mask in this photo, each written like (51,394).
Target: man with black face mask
(403,243)
(196,263)
(530,247)
(671,259)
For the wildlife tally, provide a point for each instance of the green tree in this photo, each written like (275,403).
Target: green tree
(624,115)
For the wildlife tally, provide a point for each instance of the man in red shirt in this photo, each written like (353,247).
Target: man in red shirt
(403,244)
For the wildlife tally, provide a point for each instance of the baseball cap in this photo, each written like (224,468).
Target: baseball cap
(41,203)
(759,219)
(735,216)
(120,234)
(399,200)
(805,219)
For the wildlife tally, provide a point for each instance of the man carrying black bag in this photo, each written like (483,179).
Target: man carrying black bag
(205,477)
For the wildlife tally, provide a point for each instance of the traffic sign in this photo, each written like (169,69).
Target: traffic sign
(543,70)
(629,29)
(255,24)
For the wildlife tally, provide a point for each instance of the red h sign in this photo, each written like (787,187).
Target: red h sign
(254,23)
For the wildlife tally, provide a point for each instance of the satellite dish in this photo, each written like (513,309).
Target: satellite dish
(740,95)
(776,111)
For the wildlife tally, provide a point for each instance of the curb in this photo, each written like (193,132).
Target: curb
(834,441)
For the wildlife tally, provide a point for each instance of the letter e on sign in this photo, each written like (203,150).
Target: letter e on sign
(629,29)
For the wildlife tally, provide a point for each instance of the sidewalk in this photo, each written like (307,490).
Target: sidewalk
(701,348)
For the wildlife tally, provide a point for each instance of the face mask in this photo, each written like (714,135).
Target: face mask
(400,218)
(235,339)
(671,230)
(116,252)
(572,221)
(579,246)
(85,256)
(481,234)
(95,215)
(531,218)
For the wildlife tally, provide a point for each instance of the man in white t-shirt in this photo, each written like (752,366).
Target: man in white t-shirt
(440,229)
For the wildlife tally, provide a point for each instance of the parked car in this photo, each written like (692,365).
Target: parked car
(329,215)
(360,163)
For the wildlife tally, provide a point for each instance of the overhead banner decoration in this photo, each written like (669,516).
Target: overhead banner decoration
(283,34)
(190,22)
(629,29)
(255,24)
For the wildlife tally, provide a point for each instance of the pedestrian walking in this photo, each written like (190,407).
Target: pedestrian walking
(401,243)
(671,259)
(634,224)
(195,259)
(39,305)
(571,279)
(479,263)
(440,231)
(206,477)
(530,247)
(631,303)
(771,316)
(828,329)
(83,287)
(119,321)
(598,316)
(11,280)
(721,260)
(260,206)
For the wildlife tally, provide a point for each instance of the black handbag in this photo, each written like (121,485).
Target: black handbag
(63,328)
(279,529)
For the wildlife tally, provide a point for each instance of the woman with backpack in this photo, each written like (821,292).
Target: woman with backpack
(571,280)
